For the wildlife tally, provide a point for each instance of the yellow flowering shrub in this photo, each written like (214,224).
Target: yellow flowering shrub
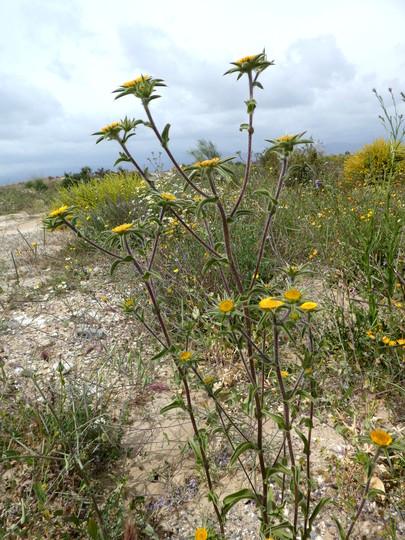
(373,163)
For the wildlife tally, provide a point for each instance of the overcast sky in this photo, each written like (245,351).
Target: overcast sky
(61,59)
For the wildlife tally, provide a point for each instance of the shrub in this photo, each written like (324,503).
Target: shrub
(375,163)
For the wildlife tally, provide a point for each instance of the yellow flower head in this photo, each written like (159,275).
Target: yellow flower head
(284,373)
(385,340)
(168,196)
(129,303)
(382,438)
(110,126)
(292,294)
(185,355)
(308,306)
(270,303)
(135,81)
(226,305)
(58,211)
(207,380)
(401,341)
(285,138)
(122,228)
(207,162)
(245,59)
(201,534)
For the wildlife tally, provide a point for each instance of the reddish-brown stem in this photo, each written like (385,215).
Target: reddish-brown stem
(271,213)
(286,419)
(367,487)
(166,149)
(100,248)
(249,153)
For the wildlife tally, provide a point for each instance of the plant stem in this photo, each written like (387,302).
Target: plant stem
(286,421)
(170,155)
(249,154)
(271,213)
(367,487)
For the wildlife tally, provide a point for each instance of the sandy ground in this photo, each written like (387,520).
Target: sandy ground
(76,327)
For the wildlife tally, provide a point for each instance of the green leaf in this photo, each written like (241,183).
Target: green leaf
(123,157)
(23,512)
(277,468)
(165,136)
(92,528)
(251,105)
(316,511)
(259,85)
(195,446)
(223,261)
(151,532)
(232,499)
(242,447)
(151,273)
(303,439)
(176,404)
(244,127)
(340,528)
(127,259)
(161,353)
(200,212)
(40,494)
(279,420)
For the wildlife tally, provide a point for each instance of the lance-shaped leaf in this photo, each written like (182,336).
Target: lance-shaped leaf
(176,404)
(127,259)
(223,261)
(240,449)
(200,211)
(92,528)
(123,157)
(165,136)
(234,498)
(316,511)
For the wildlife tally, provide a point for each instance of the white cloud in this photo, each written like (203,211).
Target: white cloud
(61,59)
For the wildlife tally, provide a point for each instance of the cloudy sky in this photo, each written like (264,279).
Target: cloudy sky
(61,59)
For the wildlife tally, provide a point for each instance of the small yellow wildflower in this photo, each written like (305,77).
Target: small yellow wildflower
(135,81)
(391,343)
(110,126)
(309,306)
(168,196)
(315,252)
(385,340)
(207,380)
(129,303)
(270,303)
(308,371)
(201,534)
(382,438)
(401,341)
(185,355)
(245,59)
(102,298)
(284,373)
(370,334)
(175,270)
(292,294)
(58,211)
(122,228)
(33,244)
(226,305)
(285,138)
(207,162)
